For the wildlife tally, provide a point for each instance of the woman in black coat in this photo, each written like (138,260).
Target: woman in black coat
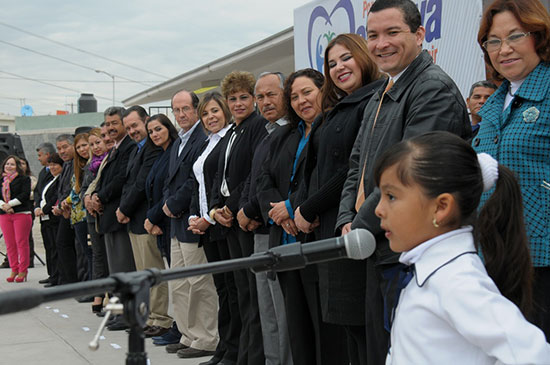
(215,117)
(15,216)
(234,165)
(311,341)
(160,133)
(351,79)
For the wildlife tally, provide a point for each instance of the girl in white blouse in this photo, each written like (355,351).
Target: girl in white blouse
(455,309)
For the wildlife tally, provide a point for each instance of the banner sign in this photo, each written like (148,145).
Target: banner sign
(451,33)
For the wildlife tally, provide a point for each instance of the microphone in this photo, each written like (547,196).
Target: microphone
(357,245)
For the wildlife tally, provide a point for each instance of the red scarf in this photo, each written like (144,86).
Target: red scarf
(8,178)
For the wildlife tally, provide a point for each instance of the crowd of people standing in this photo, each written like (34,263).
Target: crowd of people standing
(382,141)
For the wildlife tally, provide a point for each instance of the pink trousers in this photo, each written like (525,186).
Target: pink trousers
(16,229)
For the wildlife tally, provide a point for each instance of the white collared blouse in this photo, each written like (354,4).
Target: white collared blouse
(451,312)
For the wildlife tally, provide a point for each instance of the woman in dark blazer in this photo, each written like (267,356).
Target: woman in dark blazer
(49,221)
(215,116)
(237,151)
(311,342)
(351,79)
(161,133)
(15,217)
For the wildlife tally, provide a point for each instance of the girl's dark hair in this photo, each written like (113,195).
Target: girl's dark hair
(165,121)
(315,76)
(18,167)
(357,46)
(441,162)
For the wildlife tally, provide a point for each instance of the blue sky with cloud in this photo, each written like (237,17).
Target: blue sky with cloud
(165,37)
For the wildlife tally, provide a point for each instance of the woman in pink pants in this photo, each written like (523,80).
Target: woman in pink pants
(15,216)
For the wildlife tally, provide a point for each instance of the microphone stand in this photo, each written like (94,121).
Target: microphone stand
(132,289)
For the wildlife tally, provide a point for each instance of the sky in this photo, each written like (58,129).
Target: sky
(162,38)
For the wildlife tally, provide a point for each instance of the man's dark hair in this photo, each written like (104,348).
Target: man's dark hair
(112,110)
(410,12)
(482,83)
(138,109)
(46,147)
(194,98)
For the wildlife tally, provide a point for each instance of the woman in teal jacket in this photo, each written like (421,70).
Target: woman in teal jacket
(515,124)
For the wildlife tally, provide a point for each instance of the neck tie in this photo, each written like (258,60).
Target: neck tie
(361,192)
(397,278)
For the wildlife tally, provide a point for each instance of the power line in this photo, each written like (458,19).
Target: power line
(90,81)
(81,50)
(66,61)
(49,84)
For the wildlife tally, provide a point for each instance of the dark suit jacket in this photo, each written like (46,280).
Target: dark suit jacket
(20,188)
(44,177)
(274,183)
(133,202)
(51,201)
(64,186)
(178,187)
(250,132)
(109,187)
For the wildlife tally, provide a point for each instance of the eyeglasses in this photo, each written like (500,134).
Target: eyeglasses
(185,109)
(493,45)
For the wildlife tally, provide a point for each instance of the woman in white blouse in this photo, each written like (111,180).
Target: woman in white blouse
(215,117)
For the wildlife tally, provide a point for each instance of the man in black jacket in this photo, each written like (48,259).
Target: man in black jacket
(269,98)
(132,212)
(106,197)
(195,299)
(418,97)
(44,151)
(65,242)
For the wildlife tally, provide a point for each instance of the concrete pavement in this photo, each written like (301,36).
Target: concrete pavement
(59,332)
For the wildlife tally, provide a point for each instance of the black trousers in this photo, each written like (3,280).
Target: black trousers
(48,229)
(100,268)
(66,255)
(357,344)
(229,319)
(251,348)
(541,299)
(312,341)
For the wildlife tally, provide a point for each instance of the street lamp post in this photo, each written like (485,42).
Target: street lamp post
(112,77)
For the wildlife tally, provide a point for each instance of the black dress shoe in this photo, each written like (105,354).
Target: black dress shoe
(44,281)
(50,284)
(213,361)
(118,325)
(89,299)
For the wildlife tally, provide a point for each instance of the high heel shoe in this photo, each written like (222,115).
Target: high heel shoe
(21,277)
(11,278)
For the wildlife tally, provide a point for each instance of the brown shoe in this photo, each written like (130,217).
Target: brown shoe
(155,331)
(191,353)
(175,347)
